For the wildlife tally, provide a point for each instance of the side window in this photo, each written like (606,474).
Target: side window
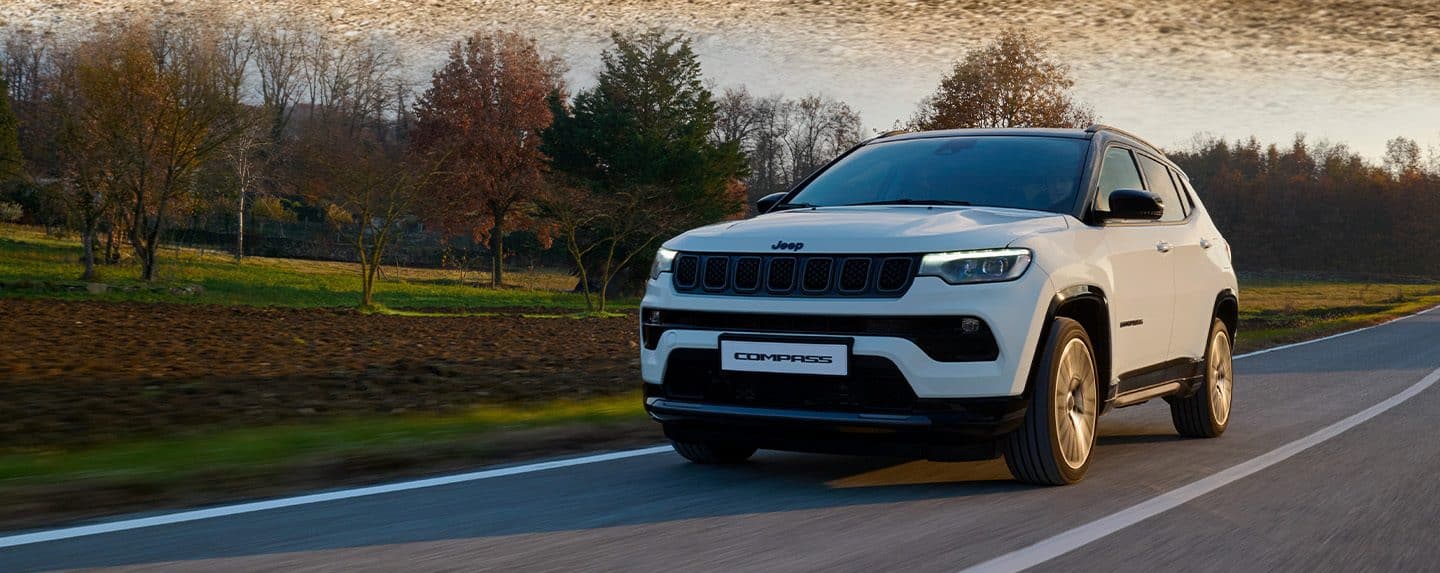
(1160,184)
(1118,172)
(1186,192)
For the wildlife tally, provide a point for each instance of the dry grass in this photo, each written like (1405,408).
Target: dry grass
(28,255)
(1276,311)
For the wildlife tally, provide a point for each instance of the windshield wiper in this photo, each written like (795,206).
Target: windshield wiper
(913,202)
(789,206)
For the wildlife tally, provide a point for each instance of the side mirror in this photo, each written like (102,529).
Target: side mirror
(768,202)
(1133,204)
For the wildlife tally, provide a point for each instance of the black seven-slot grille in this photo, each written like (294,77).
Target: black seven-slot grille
(876,276)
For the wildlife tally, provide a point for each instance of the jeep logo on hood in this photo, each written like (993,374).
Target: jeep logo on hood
(784,246)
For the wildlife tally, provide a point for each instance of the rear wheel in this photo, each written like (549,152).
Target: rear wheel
(1206,414)
(1053,445)
(713,453)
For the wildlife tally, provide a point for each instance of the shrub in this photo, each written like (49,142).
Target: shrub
(338,216)
(274,209)
(10,212)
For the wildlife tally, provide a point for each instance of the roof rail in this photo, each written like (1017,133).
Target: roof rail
(1094,127)
(891,133)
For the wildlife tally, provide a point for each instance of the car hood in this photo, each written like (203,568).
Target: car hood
(873,229)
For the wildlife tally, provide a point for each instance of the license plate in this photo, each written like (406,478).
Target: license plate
(784,357)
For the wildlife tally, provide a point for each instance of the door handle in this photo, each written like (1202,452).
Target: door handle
(1205,243)
(1163,246)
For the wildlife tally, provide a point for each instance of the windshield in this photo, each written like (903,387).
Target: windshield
(1023,172)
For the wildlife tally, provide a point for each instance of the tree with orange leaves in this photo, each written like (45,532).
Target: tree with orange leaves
(483,113)
(1013,81)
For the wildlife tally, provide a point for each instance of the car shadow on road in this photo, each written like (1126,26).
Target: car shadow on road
(1138,439)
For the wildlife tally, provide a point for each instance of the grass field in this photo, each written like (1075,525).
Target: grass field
(1276,311)
(181,456)
(26,254)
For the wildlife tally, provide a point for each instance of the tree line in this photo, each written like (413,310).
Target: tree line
(1321,207)
(136,128)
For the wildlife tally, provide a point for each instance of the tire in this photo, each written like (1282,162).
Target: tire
(713,453)
(1056,441)
(1206,414)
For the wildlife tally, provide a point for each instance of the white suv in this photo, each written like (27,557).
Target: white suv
(947,295)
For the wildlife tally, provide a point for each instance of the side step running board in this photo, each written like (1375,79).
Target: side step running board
(1146,394)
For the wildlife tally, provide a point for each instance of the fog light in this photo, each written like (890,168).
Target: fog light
(969,325)
(652,317)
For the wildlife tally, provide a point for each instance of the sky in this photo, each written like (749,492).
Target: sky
(1359,72)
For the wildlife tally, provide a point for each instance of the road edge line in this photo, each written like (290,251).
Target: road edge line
(1075,538)
(1332,336)
(252,507)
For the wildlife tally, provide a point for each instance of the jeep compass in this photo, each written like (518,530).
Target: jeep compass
(948,295)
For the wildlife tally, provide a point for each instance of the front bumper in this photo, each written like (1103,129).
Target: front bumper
(965,429)
(1013,312)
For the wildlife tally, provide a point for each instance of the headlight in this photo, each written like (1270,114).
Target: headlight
(663,259)
(967,267)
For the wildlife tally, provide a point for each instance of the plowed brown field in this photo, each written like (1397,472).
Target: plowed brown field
(77,373)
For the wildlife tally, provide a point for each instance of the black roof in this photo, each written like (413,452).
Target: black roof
(1087,133)
(1029,131)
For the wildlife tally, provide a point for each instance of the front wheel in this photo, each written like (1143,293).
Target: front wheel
(1053,445)
(1206,414)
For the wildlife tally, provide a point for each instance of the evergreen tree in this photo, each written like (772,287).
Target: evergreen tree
(647,123)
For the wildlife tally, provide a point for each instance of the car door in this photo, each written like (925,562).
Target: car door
(1180,233)
(1198,279)
(1143,301)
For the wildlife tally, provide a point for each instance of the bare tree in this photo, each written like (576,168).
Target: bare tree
(241,153)
(280,56)
(90,166)
(784,140)
(28,67)
(352,82)
(156,99)
(350,157)
(370,186)
(769,171)
(737,116)
(821,129)
(1010,82)
(605,232)
(1402,158)
(574,213)
(235,50)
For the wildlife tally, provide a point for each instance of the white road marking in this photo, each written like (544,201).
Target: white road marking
(1332,336)
(228,510)
(1078,537)
(184,516)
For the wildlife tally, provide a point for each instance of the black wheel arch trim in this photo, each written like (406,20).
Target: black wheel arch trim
(1228,296)
(1063,297)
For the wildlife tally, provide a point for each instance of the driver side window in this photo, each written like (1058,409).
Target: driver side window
(1117,172)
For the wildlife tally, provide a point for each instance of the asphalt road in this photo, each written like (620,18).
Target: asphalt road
(1362,496)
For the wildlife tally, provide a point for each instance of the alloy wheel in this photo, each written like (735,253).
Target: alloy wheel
(1221,378)
(1075,403)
